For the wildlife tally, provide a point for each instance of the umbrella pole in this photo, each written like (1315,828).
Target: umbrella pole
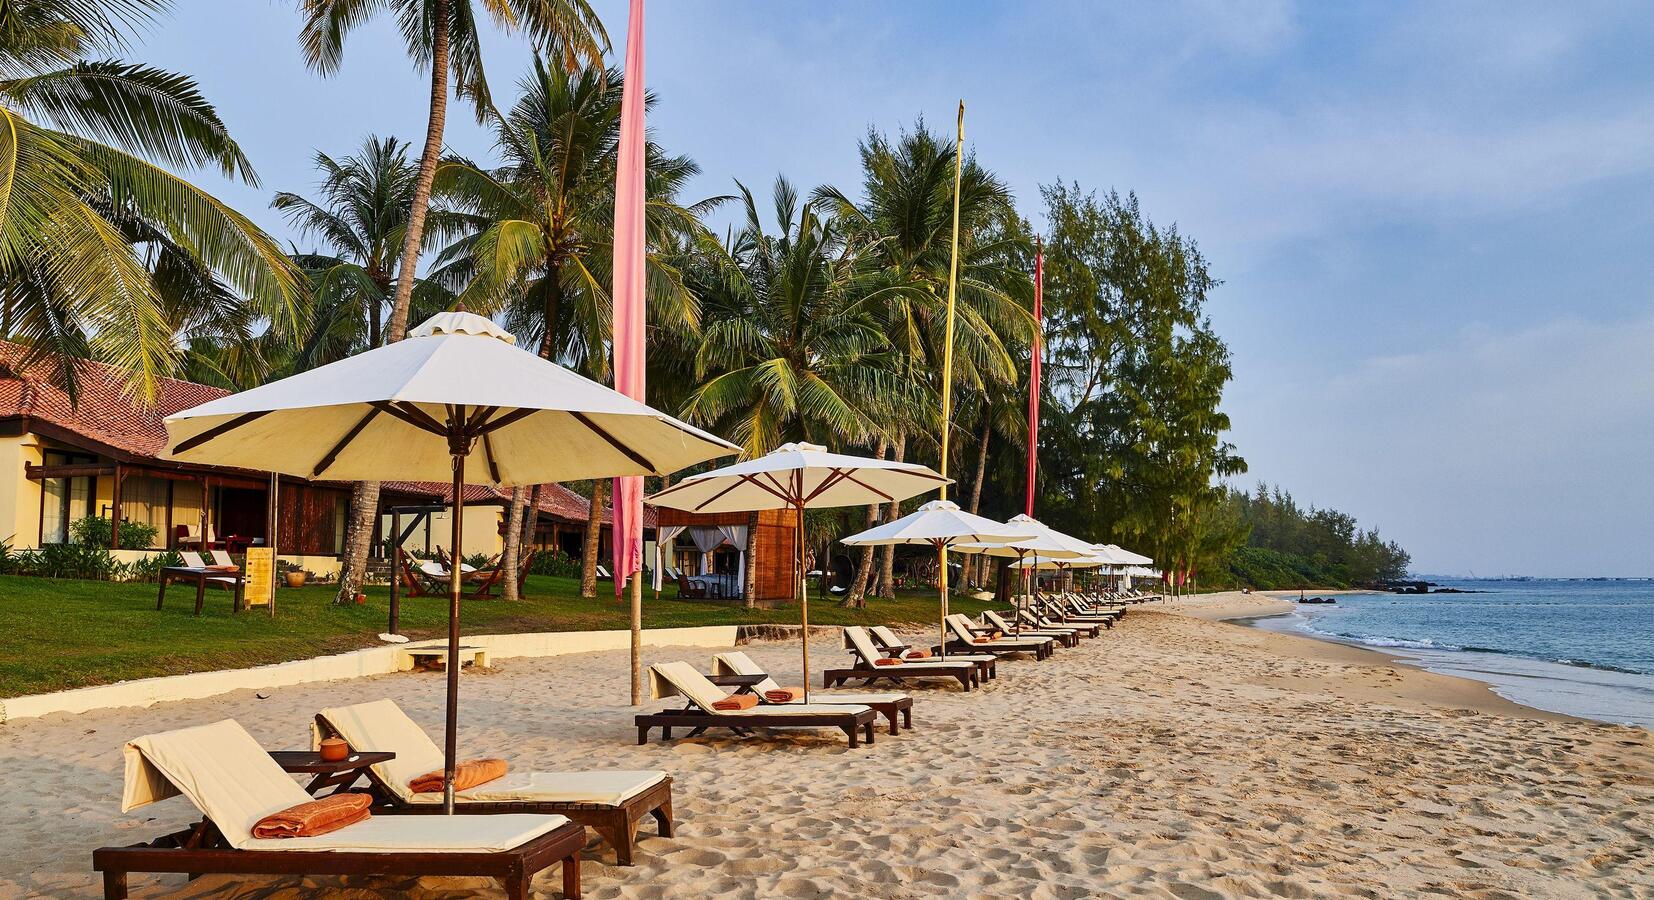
(637,637)
(803,599)
(450,734)
(942,585)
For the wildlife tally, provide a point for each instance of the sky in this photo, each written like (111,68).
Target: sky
(1432,221)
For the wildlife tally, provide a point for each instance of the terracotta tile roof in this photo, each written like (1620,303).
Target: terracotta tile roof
(105,413)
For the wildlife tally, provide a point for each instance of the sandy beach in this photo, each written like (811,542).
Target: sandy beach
(1175,756)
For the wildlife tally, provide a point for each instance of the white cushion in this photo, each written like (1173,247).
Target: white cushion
(422,834)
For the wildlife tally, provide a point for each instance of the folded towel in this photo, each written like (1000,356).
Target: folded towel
(784,695)
(984,640)
(223,568)
(916,654)
(887,662)
(737,702)
(315,817)
(468,773)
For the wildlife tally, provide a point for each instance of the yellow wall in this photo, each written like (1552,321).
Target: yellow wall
(482,531)
(19,497)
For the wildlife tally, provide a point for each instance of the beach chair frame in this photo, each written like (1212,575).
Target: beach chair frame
(967,673)
(857,725)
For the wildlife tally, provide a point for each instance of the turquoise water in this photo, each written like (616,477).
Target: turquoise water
(1581,647)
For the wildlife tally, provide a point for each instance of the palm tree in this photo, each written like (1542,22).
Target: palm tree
(442,35)
(540,247)
(904,225)
(361,216)
(92,227)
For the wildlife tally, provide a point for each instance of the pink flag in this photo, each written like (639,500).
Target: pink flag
(629,324)
(1034,375)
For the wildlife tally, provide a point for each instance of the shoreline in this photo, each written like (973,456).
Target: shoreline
(1408,682)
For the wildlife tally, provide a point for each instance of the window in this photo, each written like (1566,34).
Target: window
(341,512)
(147,500)
(64,501)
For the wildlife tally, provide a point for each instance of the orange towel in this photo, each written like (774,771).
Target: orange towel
(468,773)
(917,654)
(887,662)
(315,817)
(223,568)
(737,702)
(784,695)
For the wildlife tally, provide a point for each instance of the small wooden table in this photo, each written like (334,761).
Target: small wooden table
(199,577)
(339,775)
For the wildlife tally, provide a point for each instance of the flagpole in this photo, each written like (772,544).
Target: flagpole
(947,346)
(1038,350)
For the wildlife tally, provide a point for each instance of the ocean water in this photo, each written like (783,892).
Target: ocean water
(1581,647)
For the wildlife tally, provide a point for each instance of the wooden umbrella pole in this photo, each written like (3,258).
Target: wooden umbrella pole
(450,735)
(637,637)
(942,583)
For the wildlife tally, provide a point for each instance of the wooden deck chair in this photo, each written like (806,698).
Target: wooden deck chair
(609,801)
(234,784)
(194,561)
(413,582)
(738,666)
(680,679)
(865,667)
(892,645)
(689,590)
(1043,621)
(966,636)
(1068,637)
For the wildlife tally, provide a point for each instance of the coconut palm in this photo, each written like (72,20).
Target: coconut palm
(443,36)
(541,243)
(87,209)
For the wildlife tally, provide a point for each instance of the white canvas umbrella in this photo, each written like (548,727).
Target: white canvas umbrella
(799,476)
(1046,543)
(419,408)
(940,524)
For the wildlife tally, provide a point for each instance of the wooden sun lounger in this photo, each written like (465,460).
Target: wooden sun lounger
(891,645)
(1035,621)
(682,679)
(615,823)
(857,641)
(963,634)
(735,669)
(1068,636)
(232,781)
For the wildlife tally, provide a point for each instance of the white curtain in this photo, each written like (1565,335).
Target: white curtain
(706,538)
(665,535)
(737,537)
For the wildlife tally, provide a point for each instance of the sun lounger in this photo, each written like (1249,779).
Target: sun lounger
(890,644)
(1033,620)
(610,802)
(680,679)
(193,560)
(866,668)
(234,784)
(1069,637)
(734,663)
(964,634)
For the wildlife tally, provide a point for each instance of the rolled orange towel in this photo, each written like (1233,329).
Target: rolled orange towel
(887,662)
(984,640)
(917,654)
(315,817)
(737,702)
(468,773)
(784,695)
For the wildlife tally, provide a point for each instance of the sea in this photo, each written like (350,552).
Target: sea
(1584,647)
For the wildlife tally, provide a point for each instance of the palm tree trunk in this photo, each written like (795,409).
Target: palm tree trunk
(513,541)
(887,553)
(594,530)
(523,521)
(364,498)
(857,598)
(749,587)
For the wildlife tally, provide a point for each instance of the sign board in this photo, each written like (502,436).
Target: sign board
(260,575)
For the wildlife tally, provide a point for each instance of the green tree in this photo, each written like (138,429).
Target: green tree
(88,209)
(540,242)
(443,37)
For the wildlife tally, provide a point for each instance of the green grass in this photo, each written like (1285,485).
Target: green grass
(57,634)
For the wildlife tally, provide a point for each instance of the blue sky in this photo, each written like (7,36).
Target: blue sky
(1433,221)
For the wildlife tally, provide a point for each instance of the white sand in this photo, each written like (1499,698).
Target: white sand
(1173,757)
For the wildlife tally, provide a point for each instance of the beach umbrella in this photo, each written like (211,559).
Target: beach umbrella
(419,409)
(1046,543)
(940,524)
(799,476)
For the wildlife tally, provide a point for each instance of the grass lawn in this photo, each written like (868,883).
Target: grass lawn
(57,634)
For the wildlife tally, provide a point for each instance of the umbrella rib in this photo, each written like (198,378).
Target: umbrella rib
(626,451)
(834,476)
(217,430)
(480,418)
(854,479)
(422,422)
(488,453)
(716,497)
(780,489)
(333,454)
(515,415)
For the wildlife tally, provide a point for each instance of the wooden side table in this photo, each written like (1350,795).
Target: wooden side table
(340,775)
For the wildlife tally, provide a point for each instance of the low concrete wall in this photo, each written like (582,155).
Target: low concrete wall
(355,664)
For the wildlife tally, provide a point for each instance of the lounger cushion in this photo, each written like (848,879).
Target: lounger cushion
(382,725)
(230,778)
(854,697)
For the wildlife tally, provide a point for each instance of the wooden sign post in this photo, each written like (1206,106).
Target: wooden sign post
(260,575)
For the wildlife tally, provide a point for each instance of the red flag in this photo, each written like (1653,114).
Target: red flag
(629,321)
(1033,372)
